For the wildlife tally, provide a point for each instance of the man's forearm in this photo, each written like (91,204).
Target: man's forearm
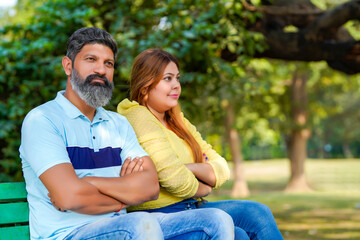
(68,192)
(97,203)
(87,200)
(133,188)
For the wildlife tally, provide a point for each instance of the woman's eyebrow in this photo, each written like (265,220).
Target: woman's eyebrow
(171,74)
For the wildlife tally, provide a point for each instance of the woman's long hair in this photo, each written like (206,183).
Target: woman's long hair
(146,73)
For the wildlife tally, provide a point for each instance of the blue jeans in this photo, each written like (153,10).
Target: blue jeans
(190,225)
(252,220)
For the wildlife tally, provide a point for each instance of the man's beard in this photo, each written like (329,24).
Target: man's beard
(93,94)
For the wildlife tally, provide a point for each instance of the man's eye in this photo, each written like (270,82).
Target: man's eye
(110,64)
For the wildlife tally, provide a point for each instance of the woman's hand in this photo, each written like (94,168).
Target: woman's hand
(203,190)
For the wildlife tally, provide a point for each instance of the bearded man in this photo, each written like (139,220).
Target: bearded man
(83,164)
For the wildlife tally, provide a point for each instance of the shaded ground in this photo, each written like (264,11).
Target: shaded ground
(332,211)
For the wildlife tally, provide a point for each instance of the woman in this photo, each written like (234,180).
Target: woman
(187,166)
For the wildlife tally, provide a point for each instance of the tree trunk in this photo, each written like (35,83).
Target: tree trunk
(240,188)
(299,135)
(347,150)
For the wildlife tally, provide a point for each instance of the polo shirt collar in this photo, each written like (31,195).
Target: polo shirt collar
(100,115)
(73,112)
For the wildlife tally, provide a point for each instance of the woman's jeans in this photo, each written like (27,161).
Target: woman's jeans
(252,220)
(190,225)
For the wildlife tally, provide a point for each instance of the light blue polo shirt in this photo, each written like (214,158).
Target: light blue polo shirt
(57,132)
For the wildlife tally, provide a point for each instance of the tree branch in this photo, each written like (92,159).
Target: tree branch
(320,34)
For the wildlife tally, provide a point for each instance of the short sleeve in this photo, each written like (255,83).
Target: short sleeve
(131,146)
(42,144)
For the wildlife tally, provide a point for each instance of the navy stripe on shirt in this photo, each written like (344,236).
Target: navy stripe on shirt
(86,158)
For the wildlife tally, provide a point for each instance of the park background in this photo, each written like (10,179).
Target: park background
(272,85)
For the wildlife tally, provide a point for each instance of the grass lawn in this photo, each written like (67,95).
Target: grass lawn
(331,211)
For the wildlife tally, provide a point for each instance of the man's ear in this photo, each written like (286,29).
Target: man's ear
(67,65)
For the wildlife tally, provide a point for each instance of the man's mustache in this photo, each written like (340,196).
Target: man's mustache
(98,76)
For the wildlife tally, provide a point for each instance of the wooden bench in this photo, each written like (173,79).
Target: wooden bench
(14,212)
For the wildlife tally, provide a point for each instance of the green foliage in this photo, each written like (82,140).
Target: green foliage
(196,33)
(332,105)
(336,113)
(33,42)
(31,71)
(326,4)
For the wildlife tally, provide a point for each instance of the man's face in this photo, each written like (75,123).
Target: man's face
(92,74)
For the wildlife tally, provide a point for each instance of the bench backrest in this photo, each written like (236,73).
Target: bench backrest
(14,212)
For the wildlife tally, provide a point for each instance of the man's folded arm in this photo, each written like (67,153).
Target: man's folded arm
(131,189)
(69,192)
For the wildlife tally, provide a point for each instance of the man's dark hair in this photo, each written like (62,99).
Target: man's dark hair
(89,35)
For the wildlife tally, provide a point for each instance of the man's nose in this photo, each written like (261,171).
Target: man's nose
(100,69)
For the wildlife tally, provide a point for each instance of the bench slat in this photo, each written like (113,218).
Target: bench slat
(12,191)
(14,233)
(14,212)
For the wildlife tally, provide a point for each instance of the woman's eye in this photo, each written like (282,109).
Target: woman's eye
(167,78)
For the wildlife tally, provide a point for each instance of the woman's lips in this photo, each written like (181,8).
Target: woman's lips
(174,95)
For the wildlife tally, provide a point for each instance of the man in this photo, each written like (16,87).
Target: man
(73,153)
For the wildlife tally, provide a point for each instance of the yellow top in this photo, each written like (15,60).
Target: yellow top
(170,154)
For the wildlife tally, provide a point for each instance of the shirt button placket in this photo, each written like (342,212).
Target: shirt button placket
(92,134)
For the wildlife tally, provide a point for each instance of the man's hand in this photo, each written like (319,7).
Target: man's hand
(131,166)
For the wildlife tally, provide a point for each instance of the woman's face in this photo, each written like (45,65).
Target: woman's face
(165,94)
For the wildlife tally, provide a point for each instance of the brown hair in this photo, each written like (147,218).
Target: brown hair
(146,73)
